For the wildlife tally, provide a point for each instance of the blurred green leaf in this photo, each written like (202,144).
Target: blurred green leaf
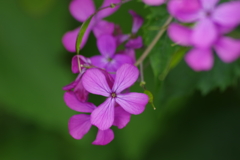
(182,81)
(81,33)
(160,55)
(177,56)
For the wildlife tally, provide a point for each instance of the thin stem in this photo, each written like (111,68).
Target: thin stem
(141,72)
(79,64)
(155,40)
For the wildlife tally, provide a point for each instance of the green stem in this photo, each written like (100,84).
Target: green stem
(155,40)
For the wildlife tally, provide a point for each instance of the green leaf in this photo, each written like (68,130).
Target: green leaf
(161,54)
(81,33)
(177,56)
(150,96)
(182,81)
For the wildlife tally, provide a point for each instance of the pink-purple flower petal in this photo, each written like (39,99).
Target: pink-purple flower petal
(180,34)
(121,38)
(79,125)
(70,86)
(99,61)
(106,12)
(122,59)
(135,43)
(126,75)
(209,5)
(227,14)
(228,49)
(69,39)
(133,103)
(137,21)
(107,45)
(121,117)
(200,60)
(117,61)
(131,53)
(154,2)
(185,10)
(80,92)
(83,61)
(82,9)
(204,33)
(103,115)
(104,137)
(103,27)
(94,81)
(76,105)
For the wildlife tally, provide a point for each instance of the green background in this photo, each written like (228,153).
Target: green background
(34,67)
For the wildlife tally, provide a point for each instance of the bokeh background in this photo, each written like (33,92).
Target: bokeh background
(34,66)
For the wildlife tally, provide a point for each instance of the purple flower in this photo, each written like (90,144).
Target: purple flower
(211,20)
(80,124)
(81,10)
(154,2)
(199,59)
(94,81)
(108,59)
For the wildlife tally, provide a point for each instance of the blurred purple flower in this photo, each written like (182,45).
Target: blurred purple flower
(154,2)
(199,59)
(81,10)
(94,81)
(211,20)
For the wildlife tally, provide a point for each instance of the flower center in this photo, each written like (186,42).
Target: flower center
(109,59)
(208,13)
(113,95)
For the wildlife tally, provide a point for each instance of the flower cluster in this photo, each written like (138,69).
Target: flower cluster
(109,74)
(210,22)
(204,25)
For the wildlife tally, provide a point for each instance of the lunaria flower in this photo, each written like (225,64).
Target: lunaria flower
(199,59)
(94,81)
(80,124)
(81,10)
(108,59)
(154,2)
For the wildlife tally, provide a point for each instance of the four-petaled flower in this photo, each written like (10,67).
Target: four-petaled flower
(94,81)
(212,22)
